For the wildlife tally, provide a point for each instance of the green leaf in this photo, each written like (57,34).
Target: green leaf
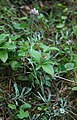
(60,25)
(37,82)
(2,37)
(75,59)
(61,5)
(12,106)
(23,45)
(17,26)
(50,49)
(9,46)
(36,55)
(3,55)
(14,37)
(23,114)
(39,108)
(69,66)
(43,118)
(15,65)
(74,88)
(64,17)
(75,30)
(21,53)
(47,48)
(24,106)
(65,10)
(24,25)
(22,77)
(48,83)
(23,18)
(48,69)
(16,89)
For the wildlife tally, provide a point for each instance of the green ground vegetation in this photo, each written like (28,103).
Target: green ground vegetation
(38,60)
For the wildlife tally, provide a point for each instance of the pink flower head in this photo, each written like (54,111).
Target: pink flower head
(34,11)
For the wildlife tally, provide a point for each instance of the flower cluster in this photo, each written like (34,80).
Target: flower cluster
(34,12)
